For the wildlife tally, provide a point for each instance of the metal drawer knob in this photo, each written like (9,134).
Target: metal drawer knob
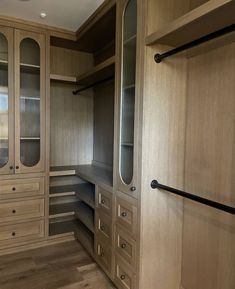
(102,255)
(123,277)
(123,214)
(17,167)
(133,189)
(11,167)
(13,234)
(13,189)
(102,228)
(102,201)
(13,211)
(123,246)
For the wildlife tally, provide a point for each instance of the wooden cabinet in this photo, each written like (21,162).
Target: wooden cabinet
(22,103)
(6,101)
(126,91)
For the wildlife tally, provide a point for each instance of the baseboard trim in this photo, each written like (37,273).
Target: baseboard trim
(47,242)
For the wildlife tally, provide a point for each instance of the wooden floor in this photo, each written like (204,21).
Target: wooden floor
(62,266)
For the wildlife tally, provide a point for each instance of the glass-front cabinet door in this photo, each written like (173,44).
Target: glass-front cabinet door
(6,102)
(127,94)
(30,101)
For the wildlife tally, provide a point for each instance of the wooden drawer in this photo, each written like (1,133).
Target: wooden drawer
(126,214)
(13,234)
(103,255)
(21,210)
(104,201)
(125,246)
(104,226)
(124,276)
(21,188)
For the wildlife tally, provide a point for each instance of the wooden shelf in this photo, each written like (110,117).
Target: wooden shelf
(127,144)
(85,237)
(63,210)
(29,68)
(95,175)
(100,72)
(62,171)
(86,215)
(30,138)
(64,227)
(86,193)
(30,98)
(63,78)
(99,29)
(209,17)
(62,191)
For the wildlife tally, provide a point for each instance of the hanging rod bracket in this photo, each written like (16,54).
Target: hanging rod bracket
(156,185)
(159,57)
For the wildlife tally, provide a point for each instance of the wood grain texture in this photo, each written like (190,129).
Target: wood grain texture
(62,266)
(163,159)
(209,235)
(205,19)
(103,124)
(71,126)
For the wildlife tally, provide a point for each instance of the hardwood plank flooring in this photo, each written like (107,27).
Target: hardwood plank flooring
(62,266)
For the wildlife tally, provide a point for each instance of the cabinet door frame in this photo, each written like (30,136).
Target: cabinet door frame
(9,167)
(41,40)
(121,186)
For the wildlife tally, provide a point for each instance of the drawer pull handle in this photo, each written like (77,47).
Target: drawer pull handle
(11,167)
(13,211)
(123,214)
(102,228)
(133,189)
(17,167)
(13,234)
(102,255)
(123,277)
(103,202)
(13,189)
(123,246)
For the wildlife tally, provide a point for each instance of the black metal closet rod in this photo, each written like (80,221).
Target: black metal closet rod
(93,85)
(156,185)
(159,57)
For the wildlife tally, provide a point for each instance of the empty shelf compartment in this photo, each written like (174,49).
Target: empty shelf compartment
(64,209)
(85,237)
(63,227)
(86,193)
(86,215)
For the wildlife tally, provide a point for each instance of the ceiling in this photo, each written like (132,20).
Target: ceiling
(68,14)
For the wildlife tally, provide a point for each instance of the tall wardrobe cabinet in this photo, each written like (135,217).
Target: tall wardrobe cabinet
(22,140)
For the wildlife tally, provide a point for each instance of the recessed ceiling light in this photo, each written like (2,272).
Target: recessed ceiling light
(43,15)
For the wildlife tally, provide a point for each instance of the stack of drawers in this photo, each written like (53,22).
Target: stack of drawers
(104,232)
(125,242)
(21,211)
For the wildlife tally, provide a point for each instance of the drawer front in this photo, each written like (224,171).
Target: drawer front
(21,210)
(104,256)
(124,277)
(126,215)
(104,226)
(21,232)
(125,246)
(104,201)
(21,188)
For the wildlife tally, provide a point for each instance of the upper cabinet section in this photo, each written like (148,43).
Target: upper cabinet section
(6,101)
(30,101)
(127,96)
(22,101)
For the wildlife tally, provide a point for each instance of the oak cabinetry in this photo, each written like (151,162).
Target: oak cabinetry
(22,106)
(127,150)
(22,136)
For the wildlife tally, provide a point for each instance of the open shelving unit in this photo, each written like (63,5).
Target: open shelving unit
(98,73)
(207,18)
(86,215)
